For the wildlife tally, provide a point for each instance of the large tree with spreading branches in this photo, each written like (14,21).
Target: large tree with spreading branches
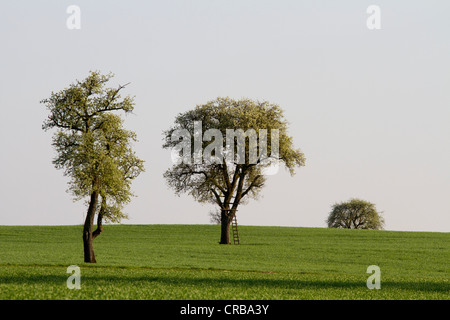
(223,150)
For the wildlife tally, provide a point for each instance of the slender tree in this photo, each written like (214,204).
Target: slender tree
(217,169)
(94,149)
(355,214)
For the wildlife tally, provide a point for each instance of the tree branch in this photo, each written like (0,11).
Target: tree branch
(208,178)
(252,185)
(219,202)
(110,100)
(99,229)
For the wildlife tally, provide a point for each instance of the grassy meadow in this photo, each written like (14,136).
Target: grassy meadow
(167,262)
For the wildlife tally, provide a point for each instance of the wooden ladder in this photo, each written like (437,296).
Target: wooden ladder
(234,228)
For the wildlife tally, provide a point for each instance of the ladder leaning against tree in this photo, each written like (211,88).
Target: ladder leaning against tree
(234,228)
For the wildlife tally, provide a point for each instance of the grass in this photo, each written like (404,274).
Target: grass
(186,262)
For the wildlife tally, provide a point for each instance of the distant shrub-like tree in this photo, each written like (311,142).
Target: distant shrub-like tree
(355,214)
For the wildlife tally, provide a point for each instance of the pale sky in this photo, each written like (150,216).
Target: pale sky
(370,109)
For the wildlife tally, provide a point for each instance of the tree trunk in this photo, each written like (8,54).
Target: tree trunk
(99,229)
(225,233)
(88,238)
(226,218)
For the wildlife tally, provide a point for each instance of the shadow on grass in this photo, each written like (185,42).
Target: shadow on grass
(205,282)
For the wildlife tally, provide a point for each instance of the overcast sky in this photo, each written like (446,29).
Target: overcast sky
(370,109)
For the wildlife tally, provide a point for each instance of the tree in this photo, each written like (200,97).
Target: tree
(219,171)
(215,216)
(94,149)
(355,214)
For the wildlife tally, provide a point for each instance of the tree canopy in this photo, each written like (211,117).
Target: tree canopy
(355,214)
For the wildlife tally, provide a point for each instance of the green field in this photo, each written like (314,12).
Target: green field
(186,262)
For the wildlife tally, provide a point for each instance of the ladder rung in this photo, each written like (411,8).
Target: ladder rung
(234,228)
